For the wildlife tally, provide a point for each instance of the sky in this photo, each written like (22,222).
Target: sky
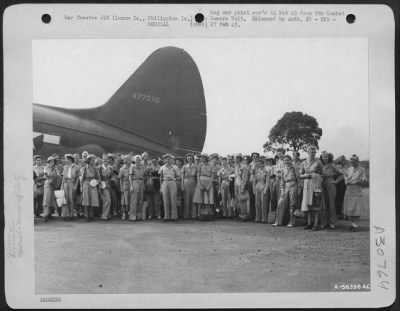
(249,83)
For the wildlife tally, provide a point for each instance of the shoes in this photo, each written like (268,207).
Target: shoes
(123,216)
(315,228)
(332,227)
(353,229)
(323,227)
(308,227)
(290,225)
(159,217)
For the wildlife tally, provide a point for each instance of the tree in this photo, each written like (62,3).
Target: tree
(295,131)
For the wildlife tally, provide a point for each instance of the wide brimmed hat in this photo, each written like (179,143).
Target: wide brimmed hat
(238,155)
(255,153)
(179,159)
(167,155)
(189,155)
(69,155)
(229,156)
(145,154)
(37,156)
(51,158)
(110,155)
(90,156)
(247,158)
(354,157)
(137,158)
(204,155)
(214,156)
(85,152)
(224,158)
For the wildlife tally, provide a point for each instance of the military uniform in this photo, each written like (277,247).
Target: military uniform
(189,174)
(123,176)
(39,189)
(224,176)
(259,185)
(136,210)
(241,191)
(106,174)
(70,185)
(288,199)
(169,174)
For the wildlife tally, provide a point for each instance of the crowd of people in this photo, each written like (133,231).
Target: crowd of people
(275,189)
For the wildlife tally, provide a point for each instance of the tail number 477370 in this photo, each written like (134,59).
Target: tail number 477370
(146,98)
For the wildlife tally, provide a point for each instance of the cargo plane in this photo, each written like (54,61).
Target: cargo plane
(159,109)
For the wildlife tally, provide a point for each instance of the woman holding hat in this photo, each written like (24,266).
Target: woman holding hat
(90,194)
(224,173)
(310,172)
(38,169)
(204,194)
(136,178)
(51,175)
(353,199)
(70,184)
(106,174)
(123,177)
(189,176)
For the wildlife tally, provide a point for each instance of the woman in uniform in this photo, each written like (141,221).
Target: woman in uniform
(340,186)
(153,191)
(353,199)
(204,193)
(224,173)
(288,200)
(169,173)
(38,168)
(241,184)
(189,175)
(330,177)
(70,184)
(90,194)
(311,171)
(268,168)
(179,188)
(49,200)
(215,182)
(136,177)
(106,173)
(259,185)
(123,177)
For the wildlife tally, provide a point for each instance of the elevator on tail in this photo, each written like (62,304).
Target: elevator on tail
(159,109)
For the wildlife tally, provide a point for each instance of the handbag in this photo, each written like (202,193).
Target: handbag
(317,199)
(60,197)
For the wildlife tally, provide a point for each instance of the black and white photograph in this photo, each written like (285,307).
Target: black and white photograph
(186,163)
(173,166)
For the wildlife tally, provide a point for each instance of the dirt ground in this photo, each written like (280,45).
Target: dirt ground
(121,257)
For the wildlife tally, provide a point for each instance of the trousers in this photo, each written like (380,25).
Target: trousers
(70,197)
(226,197)
(105,195)
(328,212)
(260,206)
(136,206)
(190,209)
(168,190)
